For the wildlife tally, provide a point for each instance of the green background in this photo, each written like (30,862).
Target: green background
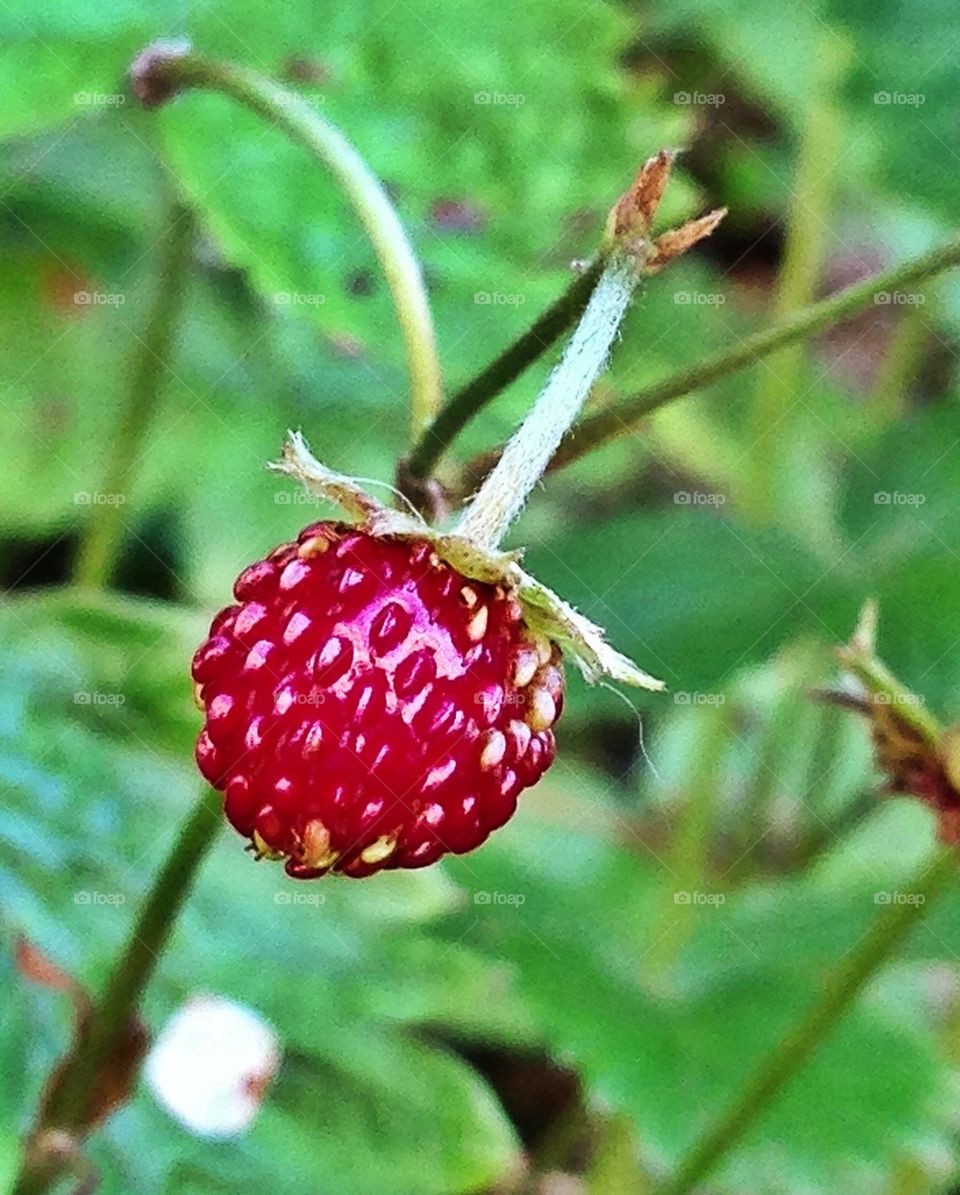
(434,1044)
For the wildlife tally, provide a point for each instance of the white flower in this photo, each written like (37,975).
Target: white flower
(211,1065)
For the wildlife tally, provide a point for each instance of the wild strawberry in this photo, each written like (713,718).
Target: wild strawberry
(368,706)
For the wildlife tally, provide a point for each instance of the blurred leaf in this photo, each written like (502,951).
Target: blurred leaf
(93,771)
(671,1059)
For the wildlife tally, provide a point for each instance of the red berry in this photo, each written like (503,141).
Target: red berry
(368,706)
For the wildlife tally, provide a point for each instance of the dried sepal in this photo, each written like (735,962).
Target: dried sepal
(670,245)
(544,610)
(632,215)
(578,636)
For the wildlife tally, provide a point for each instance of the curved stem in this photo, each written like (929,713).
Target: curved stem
(103,536)
(839,992)
(291,113)
(474,395)
(504,493)
(622,415)
(67,1103)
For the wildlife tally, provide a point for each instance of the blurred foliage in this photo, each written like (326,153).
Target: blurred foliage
(566,943)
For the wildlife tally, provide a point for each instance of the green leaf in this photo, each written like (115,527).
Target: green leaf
(93,790)
(672,1056)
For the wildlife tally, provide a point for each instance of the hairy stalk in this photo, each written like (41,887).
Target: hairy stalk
(65,1108)
(504,493)
(837,995)
(103,536)
(625,413)
(161,71)
(474,395)
(628,254)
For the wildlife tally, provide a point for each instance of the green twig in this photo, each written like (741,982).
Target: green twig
(65,1108)
(474,395)
(161,71)
(901,362)
(689,855)
(625,413)
(103,536)
(838,994)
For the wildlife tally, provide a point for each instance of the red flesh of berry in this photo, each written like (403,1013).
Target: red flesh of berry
(367,706)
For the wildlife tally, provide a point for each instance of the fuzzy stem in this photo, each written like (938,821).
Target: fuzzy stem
(474,395)
(103,536)
(504,493)
(622,415)
(293,115)
(66,1106)
(775,1071)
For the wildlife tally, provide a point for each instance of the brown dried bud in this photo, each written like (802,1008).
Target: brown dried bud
(678,240)
(154,77)
(633,213)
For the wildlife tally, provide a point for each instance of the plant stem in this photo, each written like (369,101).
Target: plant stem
(292,114)
(622,415)
(504,493)
(68,1101)
(474,395)
(900,365)
(880,683)
(689,855)
(808,222)
(840,990)
(103,536)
